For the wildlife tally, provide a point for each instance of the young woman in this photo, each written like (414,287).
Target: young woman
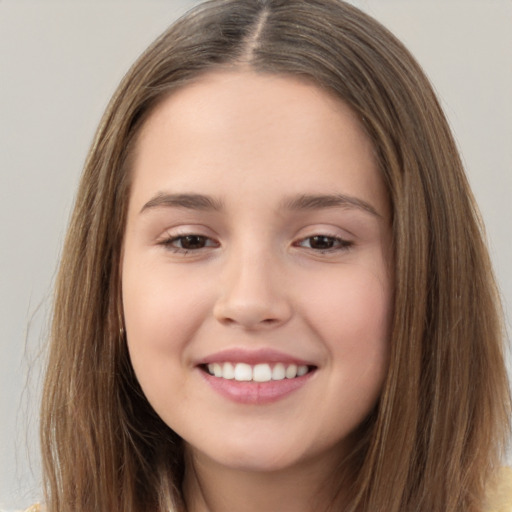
(274,293)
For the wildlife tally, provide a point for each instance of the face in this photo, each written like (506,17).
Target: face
(256,274)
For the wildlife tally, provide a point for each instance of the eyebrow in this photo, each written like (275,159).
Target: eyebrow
(188,201)
(320,201)
(300,202)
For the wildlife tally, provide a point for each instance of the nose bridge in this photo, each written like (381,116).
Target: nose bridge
(251,288)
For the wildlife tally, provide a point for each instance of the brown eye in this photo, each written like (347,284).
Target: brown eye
(187,243)
(191,242)
(324,243)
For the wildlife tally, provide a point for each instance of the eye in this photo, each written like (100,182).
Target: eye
(189,242)
(324,243)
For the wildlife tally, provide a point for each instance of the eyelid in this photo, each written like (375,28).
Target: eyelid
(180,230)
(173,234)
(341,239)
(341,244)
(173,237)
(168,244)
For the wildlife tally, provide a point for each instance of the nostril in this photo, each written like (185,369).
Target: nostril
(251,311)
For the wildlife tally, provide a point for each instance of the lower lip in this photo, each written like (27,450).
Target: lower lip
(256,393)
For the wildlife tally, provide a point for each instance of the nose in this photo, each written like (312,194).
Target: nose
(252,294)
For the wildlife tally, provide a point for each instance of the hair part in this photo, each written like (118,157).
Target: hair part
(440,426)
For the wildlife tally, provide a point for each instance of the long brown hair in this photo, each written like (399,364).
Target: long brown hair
(439,428)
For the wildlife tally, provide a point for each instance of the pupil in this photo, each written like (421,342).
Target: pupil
(192,242)
(322,242)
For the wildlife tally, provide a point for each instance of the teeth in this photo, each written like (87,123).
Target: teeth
(228,371)
(302,370)
(243,372)
(217,370)
(291,371)
(278,372)
(258,373)
(261,373)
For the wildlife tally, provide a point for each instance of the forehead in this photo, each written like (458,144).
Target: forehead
(248,129)
(230,99)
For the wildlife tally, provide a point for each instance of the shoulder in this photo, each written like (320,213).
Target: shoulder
(499,496)
(33,508)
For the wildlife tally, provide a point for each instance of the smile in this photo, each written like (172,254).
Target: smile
(262,372)
(257,377)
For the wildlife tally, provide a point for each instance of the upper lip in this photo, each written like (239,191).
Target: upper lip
(252,357)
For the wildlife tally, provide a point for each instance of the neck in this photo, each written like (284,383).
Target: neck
(211,487)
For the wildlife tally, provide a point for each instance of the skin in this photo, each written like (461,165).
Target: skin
(256,279)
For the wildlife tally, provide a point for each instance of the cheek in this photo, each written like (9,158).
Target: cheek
(352,315)
(161,315)
(354,306)
(154,299)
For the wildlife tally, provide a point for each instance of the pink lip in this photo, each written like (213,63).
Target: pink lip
(264,355)
(255,393)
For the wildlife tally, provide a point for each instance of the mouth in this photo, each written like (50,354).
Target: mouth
(255,377)
(261,372)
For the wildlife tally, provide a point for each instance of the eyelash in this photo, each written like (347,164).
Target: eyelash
(169,242)
(336,243)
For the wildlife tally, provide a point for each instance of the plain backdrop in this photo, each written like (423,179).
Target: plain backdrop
(59,64)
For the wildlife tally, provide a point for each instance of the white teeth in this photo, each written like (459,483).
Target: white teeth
(228,371)
(262,372)
(217,370)
(291,371)
(302,370)
(278,372)
(243,372)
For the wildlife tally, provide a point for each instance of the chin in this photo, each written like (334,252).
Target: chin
(259,456)
(249,455)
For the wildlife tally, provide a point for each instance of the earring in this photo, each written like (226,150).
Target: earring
(121,332)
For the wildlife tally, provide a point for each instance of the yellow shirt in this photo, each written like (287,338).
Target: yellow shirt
(499,498)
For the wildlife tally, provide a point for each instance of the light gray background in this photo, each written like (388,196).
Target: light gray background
(59,64)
